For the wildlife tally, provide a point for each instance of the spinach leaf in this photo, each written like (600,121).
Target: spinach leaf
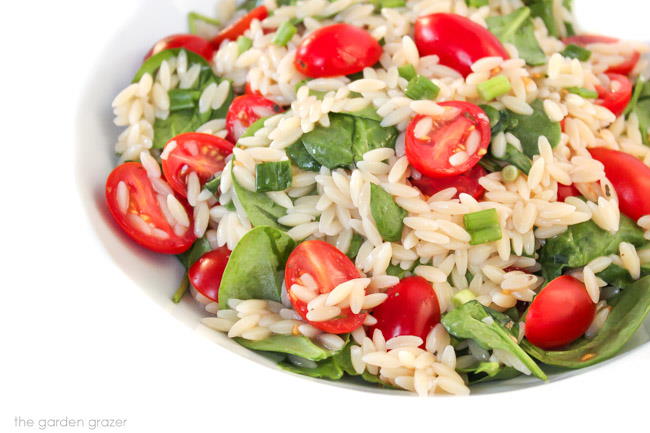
(473,320)
(326,369)
(355,245)
(184,115)
(259,208)
(256,266)
(642,111)
(369,135)
(254,127)
(544,10)
(332,146)
(517,28)
(488,372)
(528,129)
(249,5)
(200,247)
(366,113)
(582,243)
(619,277)
(624,319)
(344,361)
(301,158)
(272,176)
(388,216)
(297,345)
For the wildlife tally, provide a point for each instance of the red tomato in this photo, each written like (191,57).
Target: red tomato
(338,49)
(245,110)
(205,274)
(458,41)
(329,267)
(566,191)
(192,43)
(615,97)
(238,28)
(465,183)
(464,127)
(559,314)
(203,154)
(624,68)
(143,220)
(248,90)
(411,309)
(631,180)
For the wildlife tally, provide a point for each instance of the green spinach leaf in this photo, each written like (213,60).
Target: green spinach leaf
(256,266)
(301,158)
(355,245)
(619,277)
(332,146)
(369,135)
(297,345)
(544,10)
(584,242)
(273,176)
(624,319)
(388,216)
(200,247)
(528,129)
(326,369)
(488,372)
(517,28)
(473,320)
(259,208)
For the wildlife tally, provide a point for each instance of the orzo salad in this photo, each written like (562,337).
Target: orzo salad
(421,194)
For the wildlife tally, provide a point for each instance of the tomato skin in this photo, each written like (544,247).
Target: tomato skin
(464,183)
(208,160)
(566,191)
(431,157)
(631,180)
(615,100)
(338,49)
(329,267)
(559,314)
(205,274)
(143,202)
(245,110)
(238,28)
(624,68)
(248,90)
(192,43)
(411,309)
(458,41)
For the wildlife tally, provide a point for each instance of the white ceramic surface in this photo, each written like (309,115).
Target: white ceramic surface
(158,275)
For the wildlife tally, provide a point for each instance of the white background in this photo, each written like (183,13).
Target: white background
(78,339)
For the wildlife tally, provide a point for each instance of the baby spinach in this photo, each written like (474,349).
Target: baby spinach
(301,158)
(297,345)
(488,372)
(528,129)
(184,115)
(544,10)
(256,266)
(355,245)
(584,242)
(517,28)
(388,216)
(254,127)
(200,247)
(259,208)
(369,135)
(489,329)
(332,146)
(272,176)
(326,369)
(619,277)
(640,105)
(624,319)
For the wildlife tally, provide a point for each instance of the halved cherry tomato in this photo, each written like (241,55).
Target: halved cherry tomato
(456,142)
(464,183)
(338,49)
(456,40)
(196,152)
(248,90)
(617,95)
(566,191)
(238,28)
(411,309)
(329,267)
(205,274)
(631,180)
(624,68)
(141,216)
(193,43)
(559,314)
(245,110)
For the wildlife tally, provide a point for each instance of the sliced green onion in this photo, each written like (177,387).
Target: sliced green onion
(510,173)
(194,17)
(421,87)
(272,176)
(576,52)
(477,3)
(463,297)
(494,87)
(182,289)
(244,44)
(483,226)
(392,3)
(182,99)
(581,91)
(407,72)
(285,33)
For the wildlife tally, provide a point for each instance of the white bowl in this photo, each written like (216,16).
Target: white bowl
(157,274)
